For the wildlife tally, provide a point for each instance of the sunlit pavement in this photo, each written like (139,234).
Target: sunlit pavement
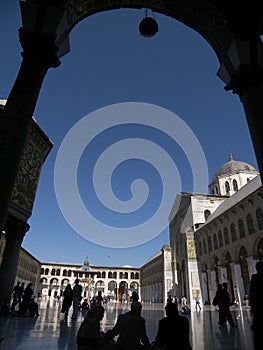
(49,331)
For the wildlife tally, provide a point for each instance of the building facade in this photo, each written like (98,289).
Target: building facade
(116,283)
(231,242)
(190,214)
(156,276)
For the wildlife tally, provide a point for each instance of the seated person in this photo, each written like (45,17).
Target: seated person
(89,336)
(33,308)
(85,305)
(130,327)
(173,331)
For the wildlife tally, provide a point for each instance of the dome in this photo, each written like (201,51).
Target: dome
(233,167)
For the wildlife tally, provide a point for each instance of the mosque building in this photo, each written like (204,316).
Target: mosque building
(218,237)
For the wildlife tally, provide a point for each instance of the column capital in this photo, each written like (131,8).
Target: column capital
(40,47)
(15,229)
(242,65)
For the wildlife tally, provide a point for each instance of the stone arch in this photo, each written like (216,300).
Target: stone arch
(258,248)
(242,258)
(197,16)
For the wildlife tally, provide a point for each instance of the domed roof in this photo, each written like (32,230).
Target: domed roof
(233,167)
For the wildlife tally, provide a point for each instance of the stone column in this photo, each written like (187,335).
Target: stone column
(251,264)
(238,283)
(242,70)
(39,54)
(15,231)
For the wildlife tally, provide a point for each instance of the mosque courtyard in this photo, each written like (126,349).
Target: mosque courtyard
(49,331)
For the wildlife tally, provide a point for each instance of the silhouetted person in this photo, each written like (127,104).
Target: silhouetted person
(173,331)
(134,296)
(85,305)
(67,300)
(89,336)
(77,291)
(99,299)
(27,296)
(169,299)
(33,308)
(197,303)
(256,304)
(130,327)
(16,296)
(224,304)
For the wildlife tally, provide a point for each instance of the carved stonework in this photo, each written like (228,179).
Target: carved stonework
(24,191)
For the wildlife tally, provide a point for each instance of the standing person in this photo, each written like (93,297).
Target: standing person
(134,296)
(224,304)
(169,299)
(256,304)
(16,296)
(131,329)
(77,291)
(173,330)
(67,300)
(197,303)
(99,299)
(216,302)
(27,296)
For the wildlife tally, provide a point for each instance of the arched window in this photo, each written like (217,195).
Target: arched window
(109,274)
(136,275)
(53,272)
(120,275)
(227,187)
(259,215)
(235,186)
(207,213)
(58,272)
(98,274)
(69,273)
(125,275)
(103,275)
(250,224)
(114,274)
(226,235)
(241,228)
(215,241)
(220,239)
(132,275)
(65,272)
(46,271)
(233,232)
(42,271)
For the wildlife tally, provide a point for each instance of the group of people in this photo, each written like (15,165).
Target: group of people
(222,300)
(73,296)
(131,331)
(22,302)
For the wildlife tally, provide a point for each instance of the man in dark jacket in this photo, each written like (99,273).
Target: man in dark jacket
(173,331)
(131,329)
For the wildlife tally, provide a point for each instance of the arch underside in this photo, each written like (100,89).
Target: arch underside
(200,15)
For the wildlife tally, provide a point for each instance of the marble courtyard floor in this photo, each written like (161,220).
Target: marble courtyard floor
(50,332)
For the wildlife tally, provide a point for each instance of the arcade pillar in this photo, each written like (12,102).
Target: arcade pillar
(15,231)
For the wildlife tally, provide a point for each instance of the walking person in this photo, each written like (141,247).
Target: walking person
(197,303)
(16,296)
(224,304)
(67,301)
(256,304)
(77,291)
(27,296)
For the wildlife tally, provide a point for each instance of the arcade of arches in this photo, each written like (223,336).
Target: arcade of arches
(114,283)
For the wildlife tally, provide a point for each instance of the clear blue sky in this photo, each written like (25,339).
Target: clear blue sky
(110,63)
